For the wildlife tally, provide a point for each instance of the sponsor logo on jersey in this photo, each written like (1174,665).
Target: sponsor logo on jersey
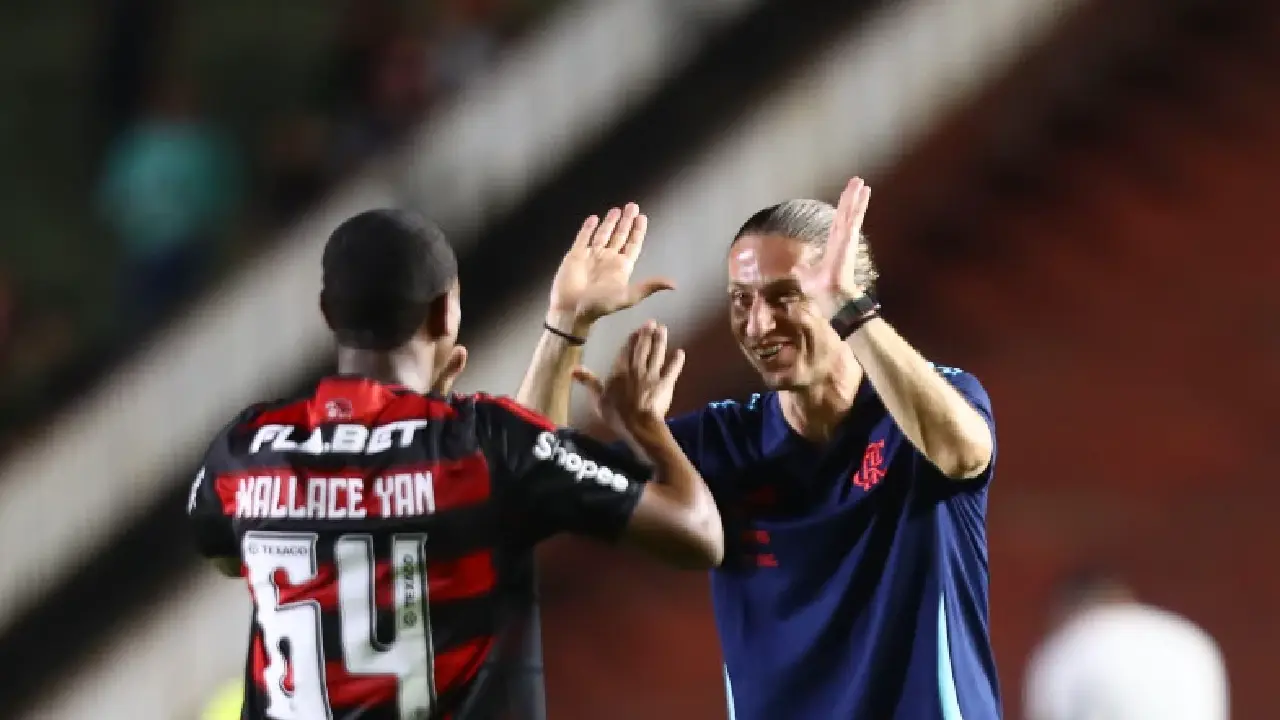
(548,449)
(338,409)
(347,439)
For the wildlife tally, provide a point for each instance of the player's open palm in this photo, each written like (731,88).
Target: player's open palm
(832,281)
(641,382)
(594,278)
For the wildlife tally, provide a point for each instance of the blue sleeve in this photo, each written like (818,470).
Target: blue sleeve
(972,390)
(702,435)
(684,428)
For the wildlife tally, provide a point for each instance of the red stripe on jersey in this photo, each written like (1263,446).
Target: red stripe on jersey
(469,576)
(349,494)
(458,666)
(452,669)
(520,411)
(292,414)
(355,400)
(258,661)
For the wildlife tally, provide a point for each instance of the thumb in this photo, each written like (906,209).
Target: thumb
(452,369)
(642,290)
(589,380)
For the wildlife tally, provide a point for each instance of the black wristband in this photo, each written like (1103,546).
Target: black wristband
(567,337)
(853,315)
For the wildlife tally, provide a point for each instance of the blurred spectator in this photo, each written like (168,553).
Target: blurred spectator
(171,184)
(363,27)
(466,40)
(296,168)
(1111,657)
(398,88)
(134,33)
(168,193)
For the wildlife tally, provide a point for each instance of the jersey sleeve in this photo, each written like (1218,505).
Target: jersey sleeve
(972,391)
(558,479)
(211,527)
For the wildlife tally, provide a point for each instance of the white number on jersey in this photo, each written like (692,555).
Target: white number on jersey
(408,658)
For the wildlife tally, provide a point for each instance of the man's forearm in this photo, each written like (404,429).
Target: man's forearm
(937,419)
(548,383)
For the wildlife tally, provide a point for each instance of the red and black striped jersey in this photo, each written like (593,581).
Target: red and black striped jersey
(387,540)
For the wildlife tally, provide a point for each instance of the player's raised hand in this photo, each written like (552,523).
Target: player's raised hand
(594,278)
(832,281)
(452,369)
(642,380)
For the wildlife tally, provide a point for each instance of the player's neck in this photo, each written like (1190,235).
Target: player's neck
(815,412)
(402,366)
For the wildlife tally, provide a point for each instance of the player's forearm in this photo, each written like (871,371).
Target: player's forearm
(683,487)
(935,417)
(548,383)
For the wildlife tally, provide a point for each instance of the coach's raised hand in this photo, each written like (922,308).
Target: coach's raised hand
(594,278)
(833,280)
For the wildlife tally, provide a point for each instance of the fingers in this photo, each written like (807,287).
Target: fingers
(848,222)
(648,350)
(858,206)
(642,290)
(844,210)
(675,364)
(658,353)
(604,230)
(625,227)
(620,230)
(622,362)
(583,239)
(635,241)
(589,380)
(853,205)
(643,348)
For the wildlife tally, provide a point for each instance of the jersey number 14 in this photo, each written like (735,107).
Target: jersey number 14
(295,685)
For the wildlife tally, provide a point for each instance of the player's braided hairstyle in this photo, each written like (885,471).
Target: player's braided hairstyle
(808,221)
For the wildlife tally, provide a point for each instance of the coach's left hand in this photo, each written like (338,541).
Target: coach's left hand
(831,281)
(594,278)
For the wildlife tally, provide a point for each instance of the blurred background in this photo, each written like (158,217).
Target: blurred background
(1073,201)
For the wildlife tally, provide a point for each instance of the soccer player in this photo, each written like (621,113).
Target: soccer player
(853,490)
(386,530)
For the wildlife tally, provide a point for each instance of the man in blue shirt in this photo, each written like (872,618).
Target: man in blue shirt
(856,485)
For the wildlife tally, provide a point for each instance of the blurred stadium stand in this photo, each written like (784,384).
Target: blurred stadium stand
(232,317)
(1048,178)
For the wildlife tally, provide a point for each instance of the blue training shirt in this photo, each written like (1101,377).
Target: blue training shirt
(855,578)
